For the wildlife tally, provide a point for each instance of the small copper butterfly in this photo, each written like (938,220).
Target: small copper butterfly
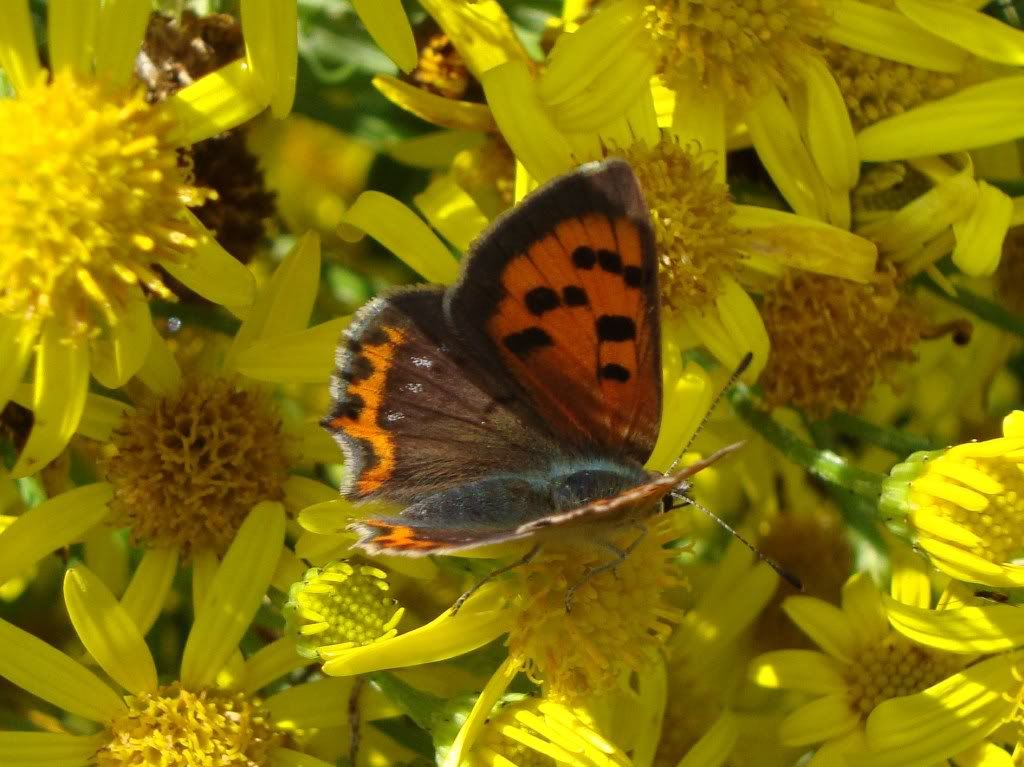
(524,398)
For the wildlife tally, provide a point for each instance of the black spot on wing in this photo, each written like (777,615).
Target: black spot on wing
(351,407)
(374,337)
(357,368)
(613,372)
(615,327)
(610,261)
(574,295)
(584,257)
(525,341)
(633,276)
(542,299)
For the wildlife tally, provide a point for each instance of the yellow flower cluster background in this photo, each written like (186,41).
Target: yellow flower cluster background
(196,196)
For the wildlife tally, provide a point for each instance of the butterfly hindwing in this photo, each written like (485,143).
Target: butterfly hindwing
(562,292)
(415,413)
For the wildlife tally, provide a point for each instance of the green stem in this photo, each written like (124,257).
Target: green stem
(981,307)
(823,464)
(897,441)
(418,705)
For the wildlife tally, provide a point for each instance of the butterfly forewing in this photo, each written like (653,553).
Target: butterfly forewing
(562,292)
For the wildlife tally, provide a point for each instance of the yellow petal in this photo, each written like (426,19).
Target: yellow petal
(16,342)
(1013,424)
(403,233)
(438,110)
(481,710)
(270,31)
(732,329)
(101,416)
(829,130)
(716,745)
(480,31)
(928,728)
(51,525)
(315,445)
(285,303)
(49,749)
(71,27)
(212,272)
(988,629)
(525,122)
(803,670)
(826,624)
(122,24)
(388,25)
(437,150)
(984,754)
(118,354)
(271,662)
(798,242)
(685,400)
(220,101)
(482,619)
(47,673)
(911,584)
(107,631)
(19,55)
(989,113)
(972,30)
(160,372)
(314,705)
(327,517)
(234,595)
(149,587)
(890,35)
(451,211)
(287,757)
(777,140)
(699,115)
(979,237)
(58,398)
(106,554)
(862,602)
(819,720)
(305,356)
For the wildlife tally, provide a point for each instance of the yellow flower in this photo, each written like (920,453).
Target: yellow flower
(965,505)
(94,202)
(211,715)
(971,716)
(183,467)
(929,207)
(862,662)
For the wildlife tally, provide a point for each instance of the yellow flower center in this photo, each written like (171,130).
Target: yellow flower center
(174,727)
(187,467)
(91,194)
(1010,274)
(618,619)
(875,88)
(442,71)
(691,213)
(1000,525)
(342,605)
(893,667)
(735,47)
(832,338)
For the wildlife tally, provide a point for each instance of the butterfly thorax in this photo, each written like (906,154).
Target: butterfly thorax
(577,482)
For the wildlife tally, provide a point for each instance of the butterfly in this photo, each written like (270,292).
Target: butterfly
(524,400)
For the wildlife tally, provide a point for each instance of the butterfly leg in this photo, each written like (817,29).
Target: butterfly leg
(620,556)
(523,560)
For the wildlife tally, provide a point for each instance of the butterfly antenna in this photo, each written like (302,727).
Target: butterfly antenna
(740,369)
(787,576)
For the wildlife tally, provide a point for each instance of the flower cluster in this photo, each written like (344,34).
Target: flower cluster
(197,197)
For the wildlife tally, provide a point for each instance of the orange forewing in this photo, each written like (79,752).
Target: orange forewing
(589,369)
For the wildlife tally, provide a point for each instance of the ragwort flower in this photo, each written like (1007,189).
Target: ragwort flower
(965,505)
(95,204)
